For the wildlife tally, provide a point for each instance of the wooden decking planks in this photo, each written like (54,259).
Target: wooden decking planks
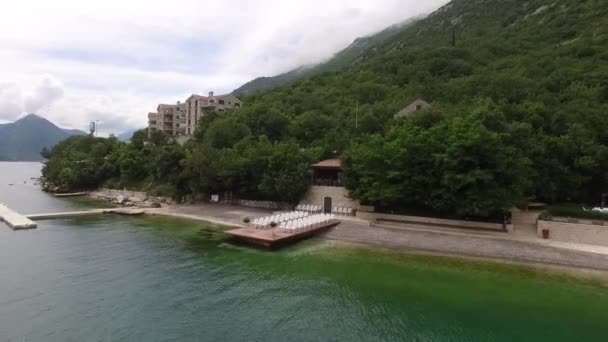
(15,220)
(275,237)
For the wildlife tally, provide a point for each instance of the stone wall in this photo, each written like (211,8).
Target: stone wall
(261,204)
(590,234)
(370,216)
(316,195)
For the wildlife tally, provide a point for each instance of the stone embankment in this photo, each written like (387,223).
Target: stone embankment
(128,198)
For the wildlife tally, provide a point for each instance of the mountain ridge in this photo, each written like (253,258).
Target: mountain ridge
(341,59)
(24,139)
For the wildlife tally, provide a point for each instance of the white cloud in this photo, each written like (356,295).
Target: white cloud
(15,100)
(48,91)
(74,61)
(11,101)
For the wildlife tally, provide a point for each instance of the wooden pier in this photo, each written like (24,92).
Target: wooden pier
(14,219)
(271,238)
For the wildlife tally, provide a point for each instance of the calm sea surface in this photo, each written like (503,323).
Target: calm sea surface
(151,279)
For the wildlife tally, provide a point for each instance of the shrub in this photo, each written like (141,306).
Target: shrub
(575,212)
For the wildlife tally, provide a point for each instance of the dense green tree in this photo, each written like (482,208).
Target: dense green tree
(79,162)
(311,126)
(457,166)
(267,122)
(226,132)
(286,176)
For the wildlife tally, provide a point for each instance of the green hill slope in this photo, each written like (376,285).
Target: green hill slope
(552,52)
(268,83)
(23,139)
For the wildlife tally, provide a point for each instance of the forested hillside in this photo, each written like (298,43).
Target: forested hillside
(534,74)
(520,95)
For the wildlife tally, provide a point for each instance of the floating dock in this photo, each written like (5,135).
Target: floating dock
(271,238)
(15,220)
(91,212)
(68,214)
(18,221)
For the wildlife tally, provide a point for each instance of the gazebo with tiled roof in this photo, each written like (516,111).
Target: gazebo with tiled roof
(327,173)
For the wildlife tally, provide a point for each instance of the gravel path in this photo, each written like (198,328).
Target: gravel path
(466,245)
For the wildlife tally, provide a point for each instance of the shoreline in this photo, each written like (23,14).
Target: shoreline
(523,262)
(417,241)
(402,240)
(577,273)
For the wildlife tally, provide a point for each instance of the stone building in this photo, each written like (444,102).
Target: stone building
(415,106)
(196,106)
(152,122)
(168,119)
(327,189)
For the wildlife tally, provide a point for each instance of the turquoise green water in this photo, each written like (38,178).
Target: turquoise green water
(21,193)
(151,279)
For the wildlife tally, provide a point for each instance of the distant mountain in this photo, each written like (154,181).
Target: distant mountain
(354,53)
(126,135)
(23,139)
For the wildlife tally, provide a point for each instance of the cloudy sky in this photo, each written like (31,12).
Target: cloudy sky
(73,61)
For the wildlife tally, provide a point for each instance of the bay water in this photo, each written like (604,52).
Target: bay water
(113,278)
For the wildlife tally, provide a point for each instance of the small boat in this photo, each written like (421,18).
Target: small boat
(70,194)
(128,212)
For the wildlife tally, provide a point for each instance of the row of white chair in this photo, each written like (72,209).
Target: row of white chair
(264,222)
(311,208)
(306,223)
(343,211)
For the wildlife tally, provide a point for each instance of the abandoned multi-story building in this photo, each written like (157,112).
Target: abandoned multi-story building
(182,118)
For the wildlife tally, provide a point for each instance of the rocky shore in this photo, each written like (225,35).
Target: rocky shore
(128,198)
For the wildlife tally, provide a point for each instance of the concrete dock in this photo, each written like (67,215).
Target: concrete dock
(91,212)
(18,221)
(14,219)
(68,214)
